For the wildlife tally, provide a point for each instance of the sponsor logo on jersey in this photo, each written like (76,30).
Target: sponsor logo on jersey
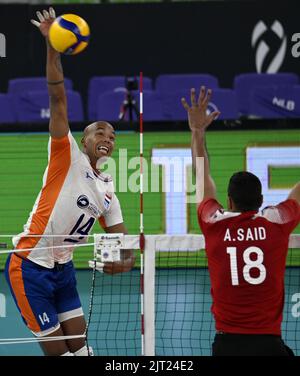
(89,176)
(83,201)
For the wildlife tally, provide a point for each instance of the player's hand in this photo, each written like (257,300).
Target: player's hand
(119,266)
(45,20)
(99,265)
(198,117)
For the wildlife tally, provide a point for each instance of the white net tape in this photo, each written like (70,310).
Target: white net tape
(163,243)
(11,341)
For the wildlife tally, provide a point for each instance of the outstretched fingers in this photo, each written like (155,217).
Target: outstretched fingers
(185,104)
(40,16)
(52,12)
(213,116)
(201,95)
(193,97)
(207,98)
(35,23)
(46,14)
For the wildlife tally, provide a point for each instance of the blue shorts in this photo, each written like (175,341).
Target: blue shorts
(45,297)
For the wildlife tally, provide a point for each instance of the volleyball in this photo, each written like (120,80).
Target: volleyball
(69,34)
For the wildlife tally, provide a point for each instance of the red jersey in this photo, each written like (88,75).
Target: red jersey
(246,260)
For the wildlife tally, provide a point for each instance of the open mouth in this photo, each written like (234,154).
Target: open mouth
(102,148)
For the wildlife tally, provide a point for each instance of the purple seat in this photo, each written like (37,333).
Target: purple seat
(276,102)
(167,83)
(152,106)
(7,114)
(19,85)
(109,106)
(33,106)
(223,100)
(244,84)
(101,85)
(98,86)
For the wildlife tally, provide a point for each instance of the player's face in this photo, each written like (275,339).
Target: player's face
(100,140)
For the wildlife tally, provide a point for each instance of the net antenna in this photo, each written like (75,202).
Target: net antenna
(142,237)
(147,281)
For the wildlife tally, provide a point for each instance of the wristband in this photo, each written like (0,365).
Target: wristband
(55,82)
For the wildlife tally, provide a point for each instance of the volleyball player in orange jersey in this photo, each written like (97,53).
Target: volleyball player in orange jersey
(74,195)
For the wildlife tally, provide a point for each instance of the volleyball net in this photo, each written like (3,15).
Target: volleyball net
(176,301)
(162,306)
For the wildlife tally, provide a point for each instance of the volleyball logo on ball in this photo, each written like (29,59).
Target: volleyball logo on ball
(69,34)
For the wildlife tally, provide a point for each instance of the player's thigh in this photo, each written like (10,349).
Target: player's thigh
(68,305)
(57,347)
(74,326)
(220,347)
(248,345)
(32,290)
(67,300)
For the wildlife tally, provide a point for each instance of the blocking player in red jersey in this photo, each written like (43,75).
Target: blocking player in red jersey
(246,250)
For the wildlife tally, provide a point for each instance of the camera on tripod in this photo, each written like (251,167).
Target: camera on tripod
(129,104)
(131,83)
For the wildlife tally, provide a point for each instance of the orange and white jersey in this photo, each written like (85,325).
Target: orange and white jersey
(72,198)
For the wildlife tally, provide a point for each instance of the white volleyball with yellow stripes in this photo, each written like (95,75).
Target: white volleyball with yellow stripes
(69,34)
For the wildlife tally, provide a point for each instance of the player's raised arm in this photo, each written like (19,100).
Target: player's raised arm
(58,126)
(295,193)
(199,120)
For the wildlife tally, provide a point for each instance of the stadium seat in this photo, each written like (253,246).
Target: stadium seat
(223,100)
(33,106)
(109,106)
(244,84)
(21,85)
(275,102)
(167,83)
(101,85)
(152,106)
(7,115)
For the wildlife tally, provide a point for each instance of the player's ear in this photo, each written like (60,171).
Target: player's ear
(229,203)
(261,200)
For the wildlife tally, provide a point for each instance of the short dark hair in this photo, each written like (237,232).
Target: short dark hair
(244,189)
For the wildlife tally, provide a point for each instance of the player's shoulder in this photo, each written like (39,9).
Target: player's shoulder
(105,178)
(211,211)
(207,203)
(283,212)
